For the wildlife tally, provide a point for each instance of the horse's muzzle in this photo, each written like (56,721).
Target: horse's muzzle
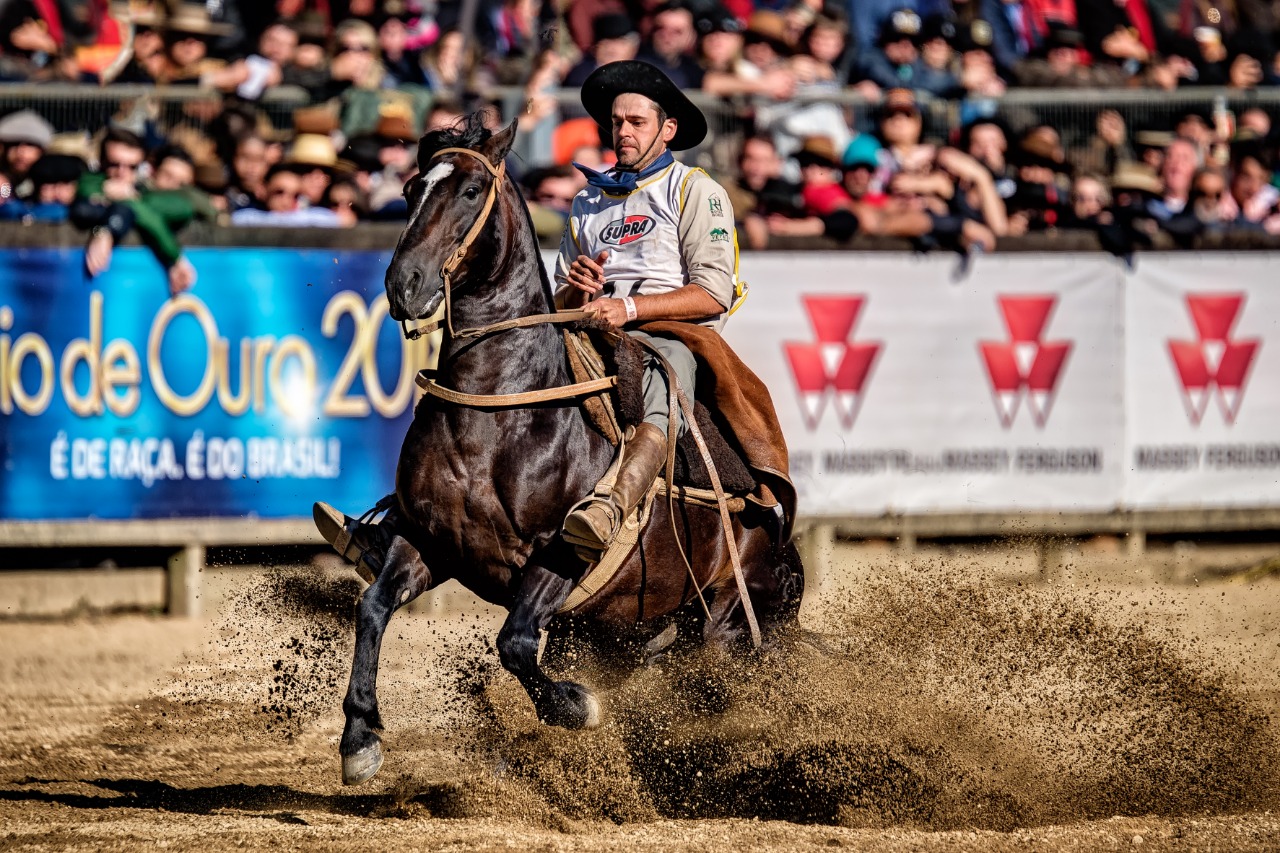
(404,300)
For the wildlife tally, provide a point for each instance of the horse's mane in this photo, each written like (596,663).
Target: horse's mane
(469,132)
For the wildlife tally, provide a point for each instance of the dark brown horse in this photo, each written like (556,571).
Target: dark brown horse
(482,491)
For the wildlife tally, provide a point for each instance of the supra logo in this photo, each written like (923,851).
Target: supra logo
(1213,361)
(833,366)
(620,232)
(1025,366)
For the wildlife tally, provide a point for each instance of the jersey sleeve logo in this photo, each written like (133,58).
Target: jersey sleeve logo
(620,232)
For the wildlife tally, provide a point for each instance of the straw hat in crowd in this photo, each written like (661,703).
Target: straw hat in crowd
(321,118)
(818,151)
(315,151)
(185,18)
(396,126)
(26,127)
(1136,177)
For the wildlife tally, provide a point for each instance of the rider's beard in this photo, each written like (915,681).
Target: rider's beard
(628,159)
(639,157)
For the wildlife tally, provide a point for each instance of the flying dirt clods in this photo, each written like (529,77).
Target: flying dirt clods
(935,705)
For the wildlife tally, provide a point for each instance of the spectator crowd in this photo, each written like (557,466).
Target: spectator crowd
(377,74)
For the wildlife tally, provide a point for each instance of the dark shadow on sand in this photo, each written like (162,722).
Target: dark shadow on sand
(279,802)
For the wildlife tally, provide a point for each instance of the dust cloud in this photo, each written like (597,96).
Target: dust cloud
(935,704)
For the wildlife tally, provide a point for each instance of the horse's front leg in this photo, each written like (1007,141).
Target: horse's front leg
(558,703)
(403,578)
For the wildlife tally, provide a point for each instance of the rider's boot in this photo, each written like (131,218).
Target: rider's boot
(362,544)
(593,523)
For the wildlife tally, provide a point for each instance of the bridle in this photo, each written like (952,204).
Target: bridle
(459,254)
(450,266)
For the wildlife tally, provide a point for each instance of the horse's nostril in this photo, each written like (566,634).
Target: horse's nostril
(415,281)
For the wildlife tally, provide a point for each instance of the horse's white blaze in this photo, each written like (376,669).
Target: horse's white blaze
(435,175)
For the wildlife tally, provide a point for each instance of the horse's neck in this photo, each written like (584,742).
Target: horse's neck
(524,359)
(511,362)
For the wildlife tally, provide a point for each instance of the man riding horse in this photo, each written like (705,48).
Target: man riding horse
(500,447)
(651,239)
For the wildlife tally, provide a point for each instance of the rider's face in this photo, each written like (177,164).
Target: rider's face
(638,137)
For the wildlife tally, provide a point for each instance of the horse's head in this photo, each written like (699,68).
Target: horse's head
(454,201)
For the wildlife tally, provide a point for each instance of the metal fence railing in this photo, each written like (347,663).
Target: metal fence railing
(1073,112)
(72,107)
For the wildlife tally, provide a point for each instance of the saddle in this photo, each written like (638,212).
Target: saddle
(734,416)
(732,410)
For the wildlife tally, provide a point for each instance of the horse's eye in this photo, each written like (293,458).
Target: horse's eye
(471,192)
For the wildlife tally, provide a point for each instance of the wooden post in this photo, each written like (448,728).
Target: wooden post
(907,536)
(816,548)
(183,581)
(1050,558)
(1137,543)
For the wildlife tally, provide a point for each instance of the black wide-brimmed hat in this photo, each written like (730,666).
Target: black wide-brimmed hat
(619,78)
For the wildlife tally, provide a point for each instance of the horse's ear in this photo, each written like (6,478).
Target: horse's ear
(499,145)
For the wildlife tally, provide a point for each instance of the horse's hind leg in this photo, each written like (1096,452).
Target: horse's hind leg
(403,578)
(775,581)
(558,703)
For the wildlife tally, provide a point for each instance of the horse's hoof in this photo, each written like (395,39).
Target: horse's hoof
(593,711)
(576,708)
(361,766)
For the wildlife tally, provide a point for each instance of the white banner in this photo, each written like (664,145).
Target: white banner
(1203,378)
(907,384)
(904,389)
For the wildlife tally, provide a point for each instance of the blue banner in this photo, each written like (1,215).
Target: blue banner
(277,381)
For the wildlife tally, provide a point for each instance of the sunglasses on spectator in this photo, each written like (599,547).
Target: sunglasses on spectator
(277,192)
(563,199)
(357,48)
(118,164)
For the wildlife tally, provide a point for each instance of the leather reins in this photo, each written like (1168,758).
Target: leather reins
(576,389)
(677,401)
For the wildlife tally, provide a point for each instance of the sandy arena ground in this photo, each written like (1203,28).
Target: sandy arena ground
(967,702)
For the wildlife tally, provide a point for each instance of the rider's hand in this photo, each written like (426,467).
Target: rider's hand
(612,311)
(587,274)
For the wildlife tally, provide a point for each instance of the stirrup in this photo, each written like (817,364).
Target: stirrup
(349,536)
(590,551)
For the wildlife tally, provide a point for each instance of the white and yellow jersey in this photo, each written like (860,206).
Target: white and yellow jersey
(675,228)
